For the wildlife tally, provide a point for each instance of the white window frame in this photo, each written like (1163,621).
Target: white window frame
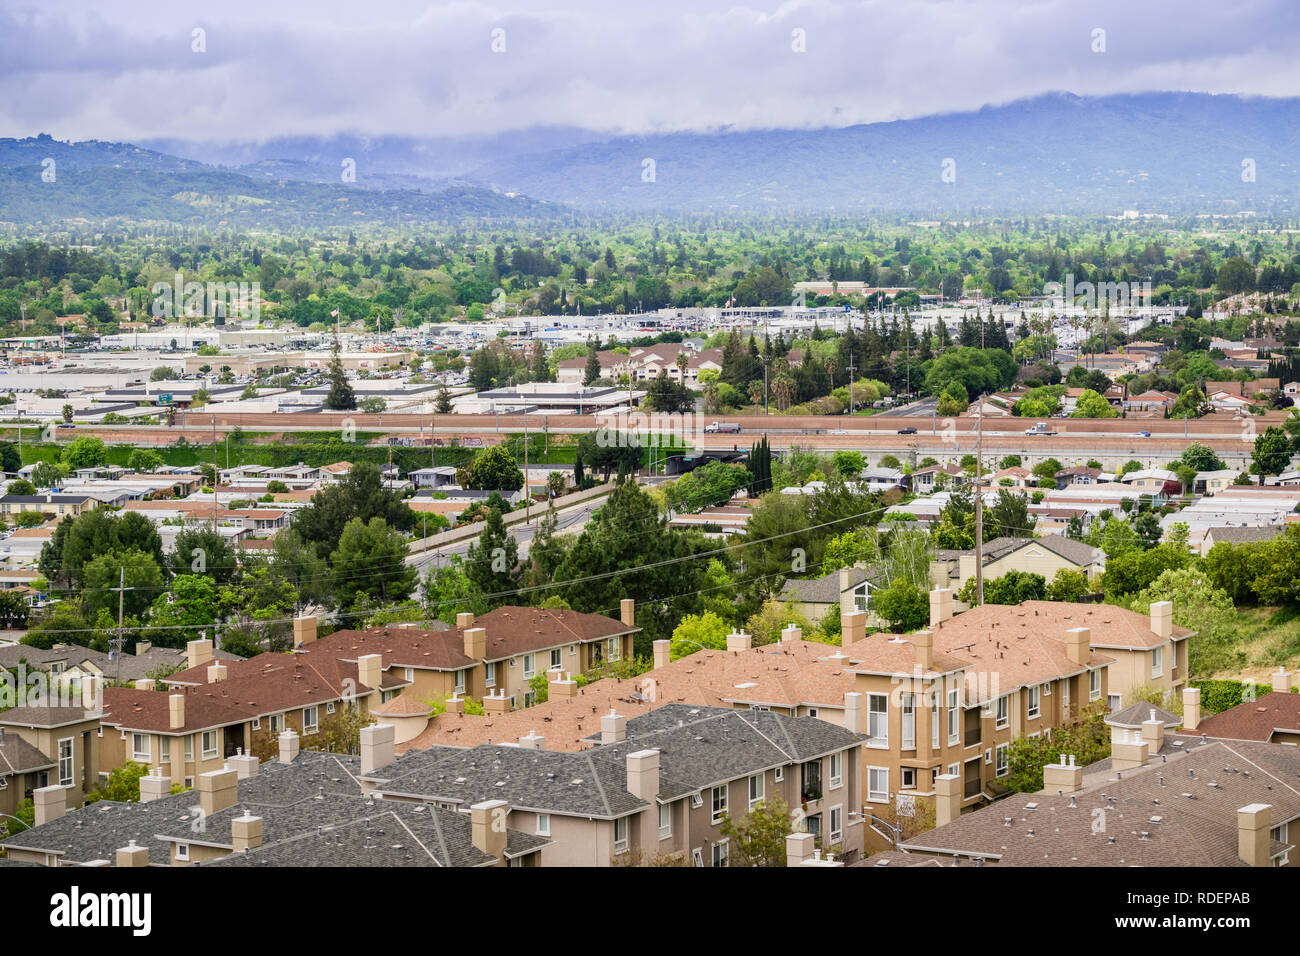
(1065,695)
(530,666)
(189,747)
(490,674)
(718,807)
(209,752)
(183,851)
(620,843)
(954,719)
(145,755)
(275,723)
(543,824)
(877,775)
(665,820)
(721,854)
(614,649)
(757,790)
(1034,707)
(835,824)
(164,749)
(557,658)
(836,771)
(65,779)
(697,856)
(907,720)
(329,707)
(934,727)
(878,715)
(459,686)
(904,773)
(312,725)
(1157,661)
(257,723)
(1003,719)
(780,774)
(1002,757)
(1094,684)
(408,673)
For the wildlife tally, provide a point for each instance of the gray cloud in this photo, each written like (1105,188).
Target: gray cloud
(126,71)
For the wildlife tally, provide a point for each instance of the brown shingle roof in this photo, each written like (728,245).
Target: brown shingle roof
(1255,719)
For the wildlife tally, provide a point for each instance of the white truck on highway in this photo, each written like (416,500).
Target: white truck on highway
(1039,428)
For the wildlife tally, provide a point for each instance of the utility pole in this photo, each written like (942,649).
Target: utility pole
(979,503)
(121,590)
(528,498)
(216,473)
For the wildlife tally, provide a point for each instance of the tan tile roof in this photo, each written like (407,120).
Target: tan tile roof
(1112,627)
(1255,719)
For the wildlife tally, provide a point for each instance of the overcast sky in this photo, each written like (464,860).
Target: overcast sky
(126,70)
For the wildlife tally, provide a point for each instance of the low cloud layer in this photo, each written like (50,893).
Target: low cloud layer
(129,70)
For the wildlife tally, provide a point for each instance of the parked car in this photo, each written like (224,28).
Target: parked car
(909,430)
(1141,434)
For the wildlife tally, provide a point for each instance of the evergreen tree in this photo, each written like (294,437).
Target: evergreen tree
(492,563)
(593,364)
(341,397)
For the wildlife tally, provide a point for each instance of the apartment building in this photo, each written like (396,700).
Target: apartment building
(659,783)
(192,729)
(1045,555)
(494,657)
(304,809)
(949,700)
(1146,650)
(44,745)
(1203,803)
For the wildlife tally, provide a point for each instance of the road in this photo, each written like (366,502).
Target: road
(569,521)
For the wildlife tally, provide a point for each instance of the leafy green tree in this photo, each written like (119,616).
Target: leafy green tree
(202,550)
(1092,405)
(191,604)
(46,474)
(122,784)
(903,605)
(448,591)
(1013,587)
(85,451)
(1201,458)
(1070,584)
(714,483)
(21,486)
(492,469)
(1008,516)
(360,494)
(144,460)
(371,560)
(1272,454)
(341,397)
(698,631)
(1088,741)
(759,838)
(10,461)
(138,570)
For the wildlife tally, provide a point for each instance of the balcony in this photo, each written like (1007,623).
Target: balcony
(971,734)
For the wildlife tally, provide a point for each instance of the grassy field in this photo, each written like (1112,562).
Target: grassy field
(1267,637)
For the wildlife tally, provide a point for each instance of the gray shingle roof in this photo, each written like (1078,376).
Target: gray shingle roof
(1134,715)
(823,590)
(1248,535)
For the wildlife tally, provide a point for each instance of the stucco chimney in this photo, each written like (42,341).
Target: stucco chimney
(496,703)
(1282,681)
(488,827)
(791,633)
(853,627)
(534,741)
(198,653)
(464,619)
(1078,645)
(288,741)
(244,765)
(370,670)
(562,688)
(853,707)
(142,648)
(940,606)
(218,790)
(246,832)
(377,746)
(176,711)
(643,774)
(144,683)
(798,848)
(154,786)
(1128,750)
(923,642)
(475,643)
(1191,708)
(613,727)
(1253,839)
(1065,775)
(846,579)
(663,652)
(216,672)
(1153,732)
(132,855)
(1162,619)
(304,631)
(627,612)
(965,567)
(739,641)
(947,798)
(50,803)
